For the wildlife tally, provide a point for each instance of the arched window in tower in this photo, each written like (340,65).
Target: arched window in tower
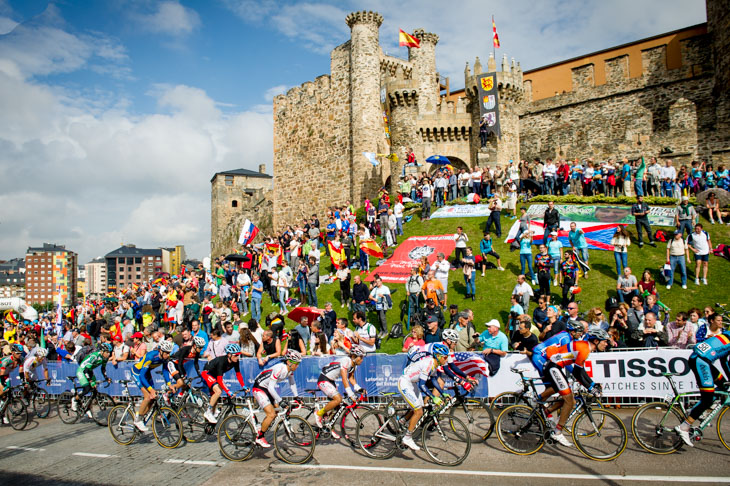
(234,204)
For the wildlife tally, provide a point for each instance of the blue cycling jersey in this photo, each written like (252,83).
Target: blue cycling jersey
(714,348)
(146,364)
(538,352)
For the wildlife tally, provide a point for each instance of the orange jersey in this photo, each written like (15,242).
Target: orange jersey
(574,353)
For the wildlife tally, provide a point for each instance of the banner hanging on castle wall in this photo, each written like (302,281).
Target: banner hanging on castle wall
(489,103)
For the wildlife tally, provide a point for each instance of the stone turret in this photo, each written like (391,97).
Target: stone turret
(511,96)
(366,114)
(423,59)
(403,101)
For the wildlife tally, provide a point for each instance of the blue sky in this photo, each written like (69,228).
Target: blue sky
(116,114)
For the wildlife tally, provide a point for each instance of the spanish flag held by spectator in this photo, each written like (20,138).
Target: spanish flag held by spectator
(369,246)
(337,255)
(10,317)
(408,40)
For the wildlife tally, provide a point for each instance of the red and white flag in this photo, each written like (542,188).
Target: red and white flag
(248,233)
(495,36)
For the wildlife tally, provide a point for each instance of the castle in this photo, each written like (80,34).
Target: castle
(669,92)
(668,95)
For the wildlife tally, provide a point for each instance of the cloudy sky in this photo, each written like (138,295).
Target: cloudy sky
(114,115)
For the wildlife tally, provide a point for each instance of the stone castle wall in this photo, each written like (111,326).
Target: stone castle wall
(630,116)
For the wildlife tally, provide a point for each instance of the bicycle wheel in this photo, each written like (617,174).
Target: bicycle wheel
(294,440)
(376,435)
(479,420)
(521,430)
(349,422)
(99,407)
(446,440)
(17,413)
(604,444)
(63,406)
(41,404)
(653,427)
(193,422)
(121,424)
(723,428)
(167,427)
(505,399)
(236,438)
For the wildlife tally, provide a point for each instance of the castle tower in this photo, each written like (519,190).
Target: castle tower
(423,59)
(365,113)
(718,24)
(403,101)
(511,95)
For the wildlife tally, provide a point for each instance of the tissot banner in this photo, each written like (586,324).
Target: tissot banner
(489,102)
(397,268)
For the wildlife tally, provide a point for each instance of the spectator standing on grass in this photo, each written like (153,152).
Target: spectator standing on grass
(685,216)
(523,291)
(569,278)
(380,294)
(441,269)
(495,214)
(621,242)
(426,193)
(577,238)
(699,243)
(551,221)
(526,255)
(470,273)
(555,250)
(460,240)
(677,251)
(640,211)
(486,248)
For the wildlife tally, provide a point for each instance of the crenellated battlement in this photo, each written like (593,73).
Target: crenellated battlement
(395,68)
(426,37)
(509,79)
(364,17)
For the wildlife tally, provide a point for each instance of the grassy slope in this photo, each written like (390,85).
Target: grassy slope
(493,290)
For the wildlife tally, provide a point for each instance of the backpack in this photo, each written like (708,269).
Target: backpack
(611,304)
(396,331)
(660,235)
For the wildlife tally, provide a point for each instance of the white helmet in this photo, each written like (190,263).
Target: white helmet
(41,352)
(293,356)
(166,347)
(450,335)
(199,342)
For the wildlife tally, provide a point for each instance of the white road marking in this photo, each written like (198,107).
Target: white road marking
(29,449)
(193,463)
(454,472)
(90,454)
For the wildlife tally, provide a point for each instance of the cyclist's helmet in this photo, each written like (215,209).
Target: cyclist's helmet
(574,326)
(41,352)
(450,335)
(597,333)
(233,348)
(199,342)
(105,348)
(166,347)
(293,356)
(357,350)
(440,349)
(17,348)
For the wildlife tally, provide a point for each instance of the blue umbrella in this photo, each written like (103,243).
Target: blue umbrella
(438,159)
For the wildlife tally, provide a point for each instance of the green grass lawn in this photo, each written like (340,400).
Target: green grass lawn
(493,291)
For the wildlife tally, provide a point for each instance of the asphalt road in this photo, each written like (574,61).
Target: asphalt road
(50,452)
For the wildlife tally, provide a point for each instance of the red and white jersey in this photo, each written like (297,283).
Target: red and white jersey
(422,369)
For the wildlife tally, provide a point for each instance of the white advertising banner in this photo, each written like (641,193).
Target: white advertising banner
(462,211)
(622,374)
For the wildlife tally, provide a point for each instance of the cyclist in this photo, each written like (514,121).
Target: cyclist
(213,374)
(345,368)
(8,364)
(264,389)
(85,371)
(176,364)
(420,372)
(700,362)
(142,374)
(35,361)
(574,332)
(571,356)
(450,338)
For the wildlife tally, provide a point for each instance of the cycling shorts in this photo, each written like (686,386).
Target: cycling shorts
(263,397)
(328,388)
(411,394)
(555,377)
(138,381)
(704,372)
(209,380)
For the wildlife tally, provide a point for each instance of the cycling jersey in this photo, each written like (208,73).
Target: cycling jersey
(216,368)
(332,370)
(704,354)
(571,356)
(177,361)
(267,380)
(416,353)
(85,371)
(32,367)
(538,352)
(419,372)
(7,365)
(142,369)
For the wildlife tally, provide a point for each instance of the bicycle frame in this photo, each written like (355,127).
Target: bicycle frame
(676,400)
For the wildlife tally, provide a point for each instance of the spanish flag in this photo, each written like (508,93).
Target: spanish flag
(408,40)
(274,249)
(10,317)
(369,246)
(337,255)
(495,36)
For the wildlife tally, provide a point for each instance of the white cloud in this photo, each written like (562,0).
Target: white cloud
(275,91)
(170,18)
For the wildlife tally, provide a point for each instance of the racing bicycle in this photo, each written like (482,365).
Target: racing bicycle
(597,433)
(653,423)
(166,424)
(294,438)
(195,426)
(95,405)
(37,398)
(13,409)
(347,415)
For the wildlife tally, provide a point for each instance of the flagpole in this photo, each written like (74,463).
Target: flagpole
(494,48)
